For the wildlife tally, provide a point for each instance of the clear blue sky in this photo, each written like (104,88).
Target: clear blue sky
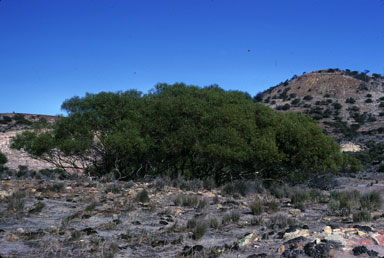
(51,50)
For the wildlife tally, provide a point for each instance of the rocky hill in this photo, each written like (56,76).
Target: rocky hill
(347,103)
(19,121)
(12,124)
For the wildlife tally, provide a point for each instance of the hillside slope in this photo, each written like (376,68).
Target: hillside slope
(346,104)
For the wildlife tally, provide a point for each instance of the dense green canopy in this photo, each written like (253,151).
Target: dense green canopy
(178,129)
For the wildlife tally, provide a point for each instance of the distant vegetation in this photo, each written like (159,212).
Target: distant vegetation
(3,160)
(183,130)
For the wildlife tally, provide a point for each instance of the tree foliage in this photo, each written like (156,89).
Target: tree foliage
(178,129)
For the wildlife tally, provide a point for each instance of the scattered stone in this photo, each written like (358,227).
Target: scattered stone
(281,249)
(12,238)
(327,230)
(248,239)
(296,234)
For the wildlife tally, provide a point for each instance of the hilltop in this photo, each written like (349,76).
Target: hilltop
(20,121)
(346,103)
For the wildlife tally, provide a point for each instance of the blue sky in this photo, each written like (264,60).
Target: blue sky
(51,50)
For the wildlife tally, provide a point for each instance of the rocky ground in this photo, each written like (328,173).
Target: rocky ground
(55,214)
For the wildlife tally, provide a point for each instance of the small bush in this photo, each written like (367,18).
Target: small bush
(214,223)
(16,201)
(91,206)
(257,207)
(160,183)
(202,204)
(308,97)
(57,187)
(75,235)
(350,100)
(199,230)
(371,201)
(142,196)
(38,207)
(190,201)
(216,199)
(113,188)
(209,183)
(298,196)
(191,223)
(342,203)
(256,221)
(232,217)
(362,216)
(337,106)
(273,206)
(66,221)
(282,221)
(278,190)
(240,187)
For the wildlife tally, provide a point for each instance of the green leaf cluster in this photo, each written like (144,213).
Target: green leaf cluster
(179,129)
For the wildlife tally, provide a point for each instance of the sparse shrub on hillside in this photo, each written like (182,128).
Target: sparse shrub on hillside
(286,107)
(295,101)
(362,216)
(113,188)
(337,106)
(16,201)
(142,196)
(214,223)
(368,101)
(350,100)
(190,201)
(199,230)
(258,98)
(371,201)
(273,206)
(257,207)
(343,203)
(232,217)
(56,187)
(381,104)
(308,97)
(281,221)
(350,163)
(298,195)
